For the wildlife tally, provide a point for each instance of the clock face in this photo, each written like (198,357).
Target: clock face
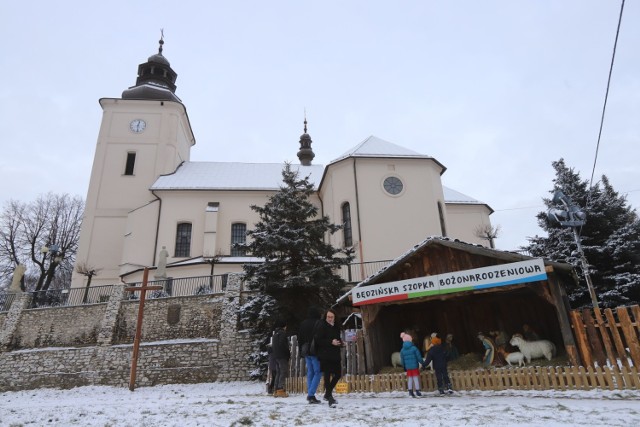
(393,185)
(137,125)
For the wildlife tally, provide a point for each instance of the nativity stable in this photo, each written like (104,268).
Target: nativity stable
(451,287)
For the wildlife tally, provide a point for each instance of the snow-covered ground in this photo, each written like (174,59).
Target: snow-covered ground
(246,404)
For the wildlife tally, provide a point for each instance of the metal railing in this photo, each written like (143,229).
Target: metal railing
(171,287)
(72,296)
(187,286)
(358,271)
(6,299)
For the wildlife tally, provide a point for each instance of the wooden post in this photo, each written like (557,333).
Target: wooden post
(555,289)
(136,341)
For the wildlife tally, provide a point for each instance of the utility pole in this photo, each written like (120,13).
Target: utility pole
(572,216)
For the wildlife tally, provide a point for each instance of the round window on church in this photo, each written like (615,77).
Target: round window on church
(393,185)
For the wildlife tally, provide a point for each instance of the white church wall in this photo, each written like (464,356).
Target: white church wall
(391,224)
(463,220)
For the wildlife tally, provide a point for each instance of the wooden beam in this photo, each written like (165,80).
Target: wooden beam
(555,290)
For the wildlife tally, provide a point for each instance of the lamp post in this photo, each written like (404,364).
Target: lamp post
(574,217)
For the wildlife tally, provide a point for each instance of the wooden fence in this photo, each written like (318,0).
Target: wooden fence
(607,337)
(528,378)
(608,342)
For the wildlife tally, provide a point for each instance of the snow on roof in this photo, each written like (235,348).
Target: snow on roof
(453,196)
(376,147)
(232,176)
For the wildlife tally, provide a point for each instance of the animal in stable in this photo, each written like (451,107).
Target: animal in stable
(534,349)
(396,359)
(513,358)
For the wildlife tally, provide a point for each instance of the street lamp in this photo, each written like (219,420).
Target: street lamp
(56,255)
(54,250)
(574,217)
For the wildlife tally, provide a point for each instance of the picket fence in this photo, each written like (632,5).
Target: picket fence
(608,342)
(527,378)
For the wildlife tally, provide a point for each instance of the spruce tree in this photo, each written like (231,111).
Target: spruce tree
(610,240)
(299,265)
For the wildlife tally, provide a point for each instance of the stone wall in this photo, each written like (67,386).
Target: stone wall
(185,340)
(3,316)
(171,318)
(158,363)
(58,326)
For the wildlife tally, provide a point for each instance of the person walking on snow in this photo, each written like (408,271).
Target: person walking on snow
(329,343)
(411,358)
(306,332)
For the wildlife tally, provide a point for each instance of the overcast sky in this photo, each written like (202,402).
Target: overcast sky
(494,90)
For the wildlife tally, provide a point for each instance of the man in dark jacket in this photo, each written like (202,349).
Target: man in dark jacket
(328,344)
(438,355)
(281,353)
(305,337)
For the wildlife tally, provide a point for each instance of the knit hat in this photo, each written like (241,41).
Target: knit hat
(406,337)
(436,341)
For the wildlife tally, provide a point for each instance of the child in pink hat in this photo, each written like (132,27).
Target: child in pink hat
(411,359)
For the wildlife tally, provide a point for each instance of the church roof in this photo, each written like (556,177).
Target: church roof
(254,176)
(453,196)
(376,147)
(232,176)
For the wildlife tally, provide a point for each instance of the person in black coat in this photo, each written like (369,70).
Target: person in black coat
(438,356)
(328,345)
(281,353)
(306,333)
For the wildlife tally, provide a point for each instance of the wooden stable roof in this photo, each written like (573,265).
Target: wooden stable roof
(438,255)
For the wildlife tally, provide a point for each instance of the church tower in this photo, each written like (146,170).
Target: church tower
(144,134)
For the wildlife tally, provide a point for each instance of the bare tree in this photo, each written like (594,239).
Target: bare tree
(43,235)
(87,271)
(487,232)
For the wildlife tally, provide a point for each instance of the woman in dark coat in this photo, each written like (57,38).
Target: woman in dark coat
(328,344)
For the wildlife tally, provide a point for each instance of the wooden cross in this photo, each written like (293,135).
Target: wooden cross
(136,341)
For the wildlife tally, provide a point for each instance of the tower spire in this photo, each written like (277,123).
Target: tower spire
(161,41)
(305,154)
(156,79)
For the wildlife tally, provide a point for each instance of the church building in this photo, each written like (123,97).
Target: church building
(145,193)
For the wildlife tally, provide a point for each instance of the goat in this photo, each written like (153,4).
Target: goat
(396,360)
(512,358)
(534,349)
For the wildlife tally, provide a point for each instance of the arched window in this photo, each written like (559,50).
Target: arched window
(443,227)
(346,225)
(183,240)
(238,235)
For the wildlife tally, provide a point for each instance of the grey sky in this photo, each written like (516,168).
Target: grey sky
(495,90)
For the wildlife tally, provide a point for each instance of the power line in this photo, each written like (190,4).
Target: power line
(604,106)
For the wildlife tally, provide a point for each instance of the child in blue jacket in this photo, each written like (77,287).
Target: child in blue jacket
(411,359)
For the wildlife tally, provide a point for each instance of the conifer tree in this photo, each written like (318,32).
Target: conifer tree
(299,265)
(610,240)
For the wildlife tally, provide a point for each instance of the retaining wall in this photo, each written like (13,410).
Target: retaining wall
(185,340)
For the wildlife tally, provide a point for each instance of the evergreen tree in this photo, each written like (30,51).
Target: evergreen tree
(299,266)
(610,240)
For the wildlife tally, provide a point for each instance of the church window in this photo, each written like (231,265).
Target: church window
(443,227)
(183,239)
(131,161)
(238,235)
(346,225)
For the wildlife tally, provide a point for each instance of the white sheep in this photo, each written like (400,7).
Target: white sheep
(514,358)
(534,349)
(396,360)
